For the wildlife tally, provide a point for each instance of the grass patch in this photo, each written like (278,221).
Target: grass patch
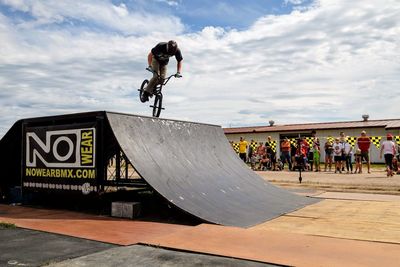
(4,225)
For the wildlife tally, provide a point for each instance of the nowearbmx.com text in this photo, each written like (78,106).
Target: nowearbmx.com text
(61,173)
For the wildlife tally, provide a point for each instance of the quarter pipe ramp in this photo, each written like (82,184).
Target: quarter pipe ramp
(193,166)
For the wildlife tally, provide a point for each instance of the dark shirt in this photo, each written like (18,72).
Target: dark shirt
(328,148)
(293,149)
(268,147)
(161,55)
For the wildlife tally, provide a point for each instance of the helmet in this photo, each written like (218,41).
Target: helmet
(172,46)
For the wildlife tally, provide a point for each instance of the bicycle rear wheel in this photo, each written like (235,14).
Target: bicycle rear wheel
(141,90)
(157,105)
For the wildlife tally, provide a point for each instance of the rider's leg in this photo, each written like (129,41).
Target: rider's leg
(154,80)
(163,72)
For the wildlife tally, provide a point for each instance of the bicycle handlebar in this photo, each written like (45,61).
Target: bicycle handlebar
(158,75)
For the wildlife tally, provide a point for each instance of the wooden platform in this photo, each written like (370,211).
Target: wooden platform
(357,196)
(99,228)
(329,233)
(351,219)
(281,248)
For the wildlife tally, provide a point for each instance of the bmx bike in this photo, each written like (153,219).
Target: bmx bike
(157,93)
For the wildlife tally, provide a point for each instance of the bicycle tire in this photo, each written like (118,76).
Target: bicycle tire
(141,90)
(157,105)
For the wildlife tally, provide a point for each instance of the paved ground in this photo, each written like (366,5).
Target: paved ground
(23,247)
(146,256)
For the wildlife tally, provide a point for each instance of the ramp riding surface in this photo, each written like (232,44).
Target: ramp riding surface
(193,166)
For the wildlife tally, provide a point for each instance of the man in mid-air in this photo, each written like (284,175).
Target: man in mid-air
(158,59)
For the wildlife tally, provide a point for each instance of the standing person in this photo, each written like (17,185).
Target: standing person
(311,150)
(317,153)
(358,161)
(337,153)
(260,152)
(293,149)
(158,59)
(253,161)
(301,153)
(250,151)
(243,149)
(364,143)
(342,138)
(285,149)
(388,148)
(328,153)
(348,152)
(270,152)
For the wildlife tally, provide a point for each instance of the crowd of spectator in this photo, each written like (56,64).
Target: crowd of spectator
(340,156)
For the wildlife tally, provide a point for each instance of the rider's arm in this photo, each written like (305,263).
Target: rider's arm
(150,58)
(179,66)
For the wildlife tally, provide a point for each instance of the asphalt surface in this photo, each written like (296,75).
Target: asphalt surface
(138,255)
(23,247)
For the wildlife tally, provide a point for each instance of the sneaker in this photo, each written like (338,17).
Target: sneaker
(145,97)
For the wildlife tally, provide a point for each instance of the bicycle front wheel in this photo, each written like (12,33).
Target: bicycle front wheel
(157,105)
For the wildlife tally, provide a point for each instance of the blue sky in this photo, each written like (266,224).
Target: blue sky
(245,62)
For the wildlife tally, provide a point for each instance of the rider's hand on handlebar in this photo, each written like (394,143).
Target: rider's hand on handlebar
(178,75)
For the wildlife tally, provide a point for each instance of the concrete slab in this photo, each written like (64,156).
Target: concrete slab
(145,256)
(23,247)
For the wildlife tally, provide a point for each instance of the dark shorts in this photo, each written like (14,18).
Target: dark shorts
(242,156)
(272,156)
(365,156)
(328,153)
(337,158)
(389,160)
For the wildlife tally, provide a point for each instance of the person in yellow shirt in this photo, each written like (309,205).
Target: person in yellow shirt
(243,149)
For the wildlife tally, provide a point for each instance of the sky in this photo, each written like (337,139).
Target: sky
(245,62)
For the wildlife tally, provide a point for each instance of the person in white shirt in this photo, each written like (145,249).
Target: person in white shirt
(347,152)
(337,155)
(388,148)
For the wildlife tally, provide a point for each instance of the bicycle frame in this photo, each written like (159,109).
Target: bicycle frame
(163,82)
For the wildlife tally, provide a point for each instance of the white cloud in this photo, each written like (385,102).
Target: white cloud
(336,60)
(101,13)
(169,2)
